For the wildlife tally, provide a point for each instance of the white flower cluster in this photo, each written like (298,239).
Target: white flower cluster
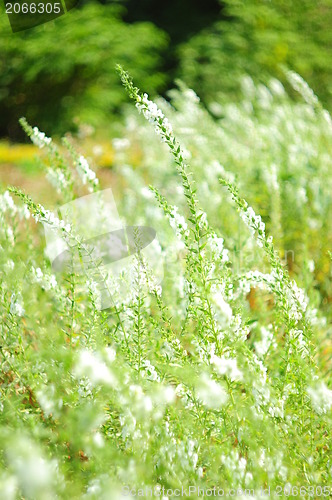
(128,424)
(262,346)
(173,349)
(149,371)
(8,231)
(277,409)
(254,223)
(296,299)
(39,138)
(273,464)
(91,365)
(185,395)
(49,218)
(85,172)
(202,220)
(321,398)
(142,403)
(241,331)
(120,143)
(7,205)
(271,178)
(16,305)
(298,337)
(85,388)
(261,393)
(57,178)
(216,246)
(226,366)
(190,452)
(153,114)
(276,87)
(35,475)
(178,223)
(300,304)
(9,265)
(46,396)
(257,279)
(224,310)
(302,87)
(47,281)
(147,276)
(236,466)
(211,393)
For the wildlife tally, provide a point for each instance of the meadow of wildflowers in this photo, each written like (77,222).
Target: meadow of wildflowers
(216,376)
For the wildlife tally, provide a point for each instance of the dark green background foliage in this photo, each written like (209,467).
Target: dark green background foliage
(64,70)
(62,73)
(259,37)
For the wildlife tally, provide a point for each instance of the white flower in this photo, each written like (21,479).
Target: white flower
(91,365)
(302,87)
(241,331)
(39,138)
(298,337)
(10,235)
(178,223)
(154,115)
(47,281)
(254,223)
(223,307)
(263,346)
(57,179)
(120,144)
(149,371)
(48,402)
(143,403)
(276,87)
(311,265)
(321,398)
(226,366)
(16,305)
(85,172)
(184,394)
(98,440)
(48,217)
(211,393)
(85,387)
(35,474)
(7,203)
(110,353)
(217,248)
(9,266)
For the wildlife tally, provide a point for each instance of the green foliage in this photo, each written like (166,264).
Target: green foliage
(257,37)
(63,71)
(213,378)
(62,74)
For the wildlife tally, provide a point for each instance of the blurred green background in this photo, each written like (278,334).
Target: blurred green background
(61,75)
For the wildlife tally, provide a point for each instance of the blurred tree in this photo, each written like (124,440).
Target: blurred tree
(180,20)
(63,72)
(257,37)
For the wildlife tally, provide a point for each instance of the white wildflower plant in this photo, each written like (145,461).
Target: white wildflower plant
(214,376)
